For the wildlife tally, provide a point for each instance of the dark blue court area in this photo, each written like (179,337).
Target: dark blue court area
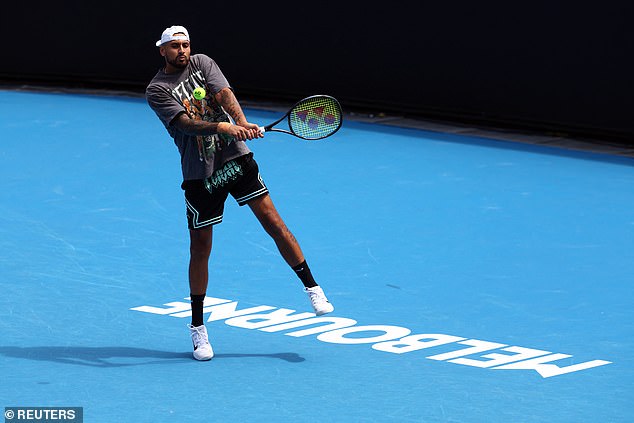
(474,280)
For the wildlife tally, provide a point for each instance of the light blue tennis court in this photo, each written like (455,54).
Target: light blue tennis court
(473,280)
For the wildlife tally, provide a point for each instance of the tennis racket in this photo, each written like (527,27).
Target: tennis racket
(313,118)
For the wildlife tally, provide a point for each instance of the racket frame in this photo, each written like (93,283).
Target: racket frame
(270,126)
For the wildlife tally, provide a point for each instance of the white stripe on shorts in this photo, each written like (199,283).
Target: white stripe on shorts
(257,193)
(196,224)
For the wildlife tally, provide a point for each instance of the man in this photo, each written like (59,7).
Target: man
(210,134)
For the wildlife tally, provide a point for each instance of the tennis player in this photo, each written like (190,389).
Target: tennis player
(209,132)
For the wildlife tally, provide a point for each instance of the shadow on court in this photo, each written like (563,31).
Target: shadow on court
(112,356)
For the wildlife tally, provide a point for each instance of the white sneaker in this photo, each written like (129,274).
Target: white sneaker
(202,347)
(319,301)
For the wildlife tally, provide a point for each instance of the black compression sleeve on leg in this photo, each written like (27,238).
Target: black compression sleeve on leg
(303,272)
(197,309)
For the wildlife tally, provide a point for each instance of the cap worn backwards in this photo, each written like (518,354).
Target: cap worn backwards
(169,35)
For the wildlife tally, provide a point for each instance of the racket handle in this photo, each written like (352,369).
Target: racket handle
(262,129)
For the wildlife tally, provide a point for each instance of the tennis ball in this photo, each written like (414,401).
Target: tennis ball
(199,93)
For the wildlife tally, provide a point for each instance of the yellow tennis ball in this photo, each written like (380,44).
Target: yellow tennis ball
(199,93)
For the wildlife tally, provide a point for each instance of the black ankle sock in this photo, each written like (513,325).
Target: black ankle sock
(197,309)
(303,272)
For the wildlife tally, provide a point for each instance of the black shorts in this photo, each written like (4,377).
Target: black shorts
(205,199)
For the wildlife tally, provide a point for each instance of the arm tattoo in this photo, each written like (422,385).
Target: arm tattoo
(194,127)
(230,103)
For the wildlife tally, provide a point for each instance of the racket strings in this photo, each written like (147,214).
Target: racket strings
(315,117)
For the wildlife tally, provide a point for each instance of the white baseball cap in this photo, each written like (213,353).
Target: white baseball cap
(168,35)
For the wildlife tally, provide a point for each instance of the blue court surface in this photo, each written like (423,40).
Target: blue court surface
(473,280)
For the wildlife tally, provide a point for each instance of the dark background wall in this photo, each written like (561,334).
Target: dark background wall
(550,66)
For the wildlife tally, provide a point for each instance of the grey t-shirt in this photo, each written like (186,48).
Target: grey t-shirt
(171,94)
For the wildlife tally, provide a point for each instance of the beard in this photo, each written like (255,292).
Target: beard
(177,63)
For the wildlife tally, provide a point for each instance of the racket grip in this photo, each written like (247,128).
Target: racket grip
(262,129)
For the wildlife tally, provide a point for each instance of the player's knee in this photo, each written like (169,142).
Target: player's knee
(199,251)
(278,230)
(200,244)
(271,220)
